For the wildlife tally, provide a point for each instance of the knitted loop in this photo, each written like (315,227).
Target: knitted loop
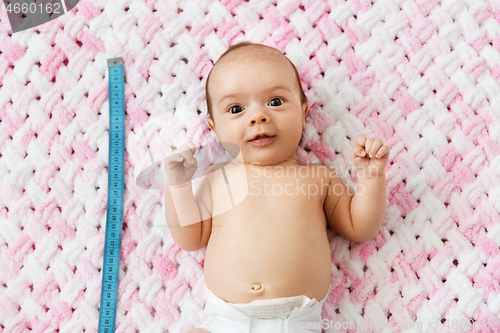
(421,75)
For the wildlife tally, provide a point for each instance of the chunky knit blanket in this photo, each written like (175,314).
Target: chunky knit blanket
(422,75)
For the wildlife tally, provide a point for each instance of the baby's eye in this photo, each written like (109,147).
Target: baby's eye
(276,99)
(233,108)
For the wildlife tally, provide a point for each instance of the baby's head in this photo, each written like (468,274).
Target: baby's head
(254,89)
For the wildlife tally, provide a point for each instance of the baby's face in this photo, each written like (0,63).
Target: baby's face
(254,97)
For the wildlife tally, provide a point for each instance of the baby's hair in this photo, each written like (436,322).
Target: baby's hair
(257,52)
(249,50)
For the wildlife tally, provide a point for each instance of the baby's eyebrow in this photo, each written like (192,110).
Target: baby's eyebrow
(265,91)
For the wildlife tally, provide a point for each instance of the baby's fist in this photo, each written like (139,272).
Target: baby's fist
(369,156)
(180,165)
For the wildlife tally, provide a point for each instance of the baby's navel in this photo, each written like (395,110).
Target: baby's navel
(257,287)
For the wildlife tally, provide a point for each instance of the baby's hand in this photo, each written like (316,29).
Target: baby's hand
(369,156)
(180,165)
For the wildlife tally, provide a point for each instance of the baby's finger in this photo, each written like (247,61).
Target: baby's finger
(188,145)
(177,157)
(172,160)
(369,144)
(361,139)
(357,151)
(377,143)
(383,152)
(186,158)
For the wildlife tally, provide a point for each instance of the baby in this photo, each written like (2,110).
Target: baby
(267,264)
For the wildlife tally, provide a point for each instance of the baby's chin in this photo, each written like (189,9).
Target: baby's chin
(259,160)
(263,156)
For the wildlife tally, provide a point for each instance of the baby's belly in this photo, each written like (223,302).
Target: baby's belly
(261,259)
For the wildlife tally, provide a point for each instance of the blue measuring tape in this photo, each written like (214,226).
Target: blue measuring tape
(114,208)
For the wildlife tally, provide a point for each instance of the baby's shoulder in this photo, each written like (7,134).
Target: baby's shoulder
(219,165)
(214,167)
(212,173)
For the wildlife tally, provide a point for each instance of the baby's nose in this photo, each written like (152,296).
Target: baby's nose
(259,117)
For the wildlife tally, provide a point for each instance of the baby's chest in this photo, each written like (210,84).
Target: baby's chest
(268,192)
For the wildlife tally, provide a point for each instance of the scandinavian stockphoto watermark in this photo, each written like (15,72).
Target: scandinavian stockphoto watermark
(302,180)
(26,14)
(456,325)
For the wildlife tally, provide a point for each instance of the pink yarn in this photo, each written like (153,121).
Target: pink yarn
(421,75)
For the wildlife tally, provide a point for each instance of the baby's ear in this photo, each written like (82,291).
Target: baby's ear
(305,109)
(210,123)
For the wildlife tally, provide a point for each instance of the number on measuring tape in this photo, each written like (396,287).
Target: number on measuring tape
(114,208)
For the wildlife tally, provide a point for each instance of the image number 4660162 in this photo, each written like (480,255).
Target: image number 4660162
(26,14)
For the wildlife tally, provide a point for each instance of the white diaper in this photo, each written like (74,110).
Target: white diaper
(279,315)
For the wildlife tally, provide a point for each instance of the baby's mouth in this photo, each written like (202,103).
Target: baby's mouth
(263,139)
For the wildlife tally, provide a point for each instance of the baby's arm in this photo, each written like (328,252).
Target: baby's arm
(358,216)
(193,210)
(193,236)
